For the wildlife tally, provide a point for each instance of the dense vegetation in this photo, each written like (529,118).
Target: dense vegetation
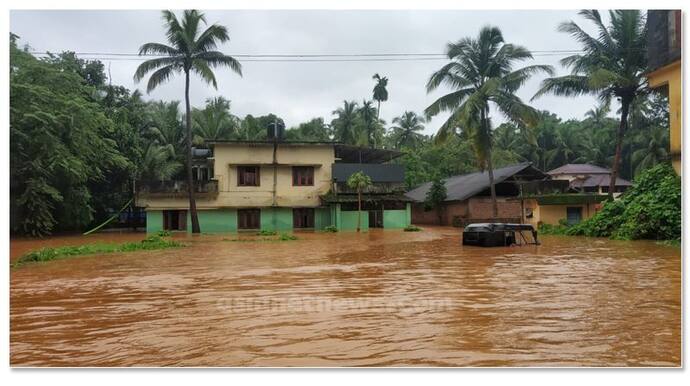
(80,143)
(649,210)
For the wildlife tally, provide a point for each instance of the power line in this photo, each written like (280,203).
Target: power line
(357,57)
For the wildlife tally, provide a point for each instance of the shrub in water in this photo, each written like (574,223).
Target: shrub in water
(650,209)
(331,229)
(286,237)
(412,228)
(267,233)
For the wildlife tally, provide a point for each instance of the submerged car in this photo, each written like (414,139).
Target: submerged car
(499,235)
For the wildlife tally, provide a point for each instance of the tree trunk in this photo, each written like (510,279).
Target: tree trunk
(378,110)
(190,179)
(490,165)
(620,133)
(359,208)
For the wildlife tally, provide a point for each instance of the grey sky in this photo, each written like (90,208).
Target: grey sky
(299,91)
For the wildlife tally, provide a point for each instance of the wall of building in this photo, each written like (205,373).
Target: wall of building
(227,157)
(154,221)
(348,221)
(552,214)
(482,207)
(396,219)
(671,76)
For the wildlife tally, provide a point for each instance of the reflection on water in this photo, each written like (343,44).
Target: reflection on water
(373,299)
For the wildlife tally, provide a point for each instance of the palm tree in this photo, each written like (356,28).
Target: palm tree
(190,50)
(598,114)
(380,92)
(158,163)
(214,121)
(481,75)
(345,123)
(370,123)
(164,125)
(612,65)
(359,181)
(567,141)
(406,129)
(653,148)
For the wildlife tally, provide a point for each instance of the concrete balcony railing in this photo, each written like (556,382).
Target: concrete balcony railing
(177,188)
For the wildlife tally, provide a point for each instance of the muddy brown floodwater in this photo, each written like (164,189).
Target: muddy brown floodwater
(383,298)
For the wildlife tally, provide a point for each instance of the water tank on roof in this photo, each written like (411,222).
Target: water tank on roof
(275,130)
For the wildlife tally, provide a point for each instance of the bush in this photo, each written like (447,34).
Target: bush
(164,233)
(650,209)
(287,237)
(331,229)
(46,254)
(267,233)
(412,228)
(548,229)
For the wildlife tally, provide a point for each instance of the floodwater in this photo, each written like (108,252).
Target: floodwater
(383,298)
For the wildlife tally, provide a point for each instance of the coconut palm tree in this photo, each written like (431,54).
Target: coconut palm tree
(164,125)
(380,92)
(214,121)
(345,124)
(653,148)
(612,66)
(370,123)
(359,181)
(190,50)
(598,114)
(406,129)
(482,77)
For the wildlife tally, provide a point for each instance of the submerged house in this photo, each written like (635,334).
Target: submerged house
(468,197)
(524,193)
(279,185)
(588,178)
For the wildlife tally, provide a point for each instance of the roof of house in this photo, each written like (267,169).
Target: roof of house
(579,169)
(598,180)
(464,186)
(343,152)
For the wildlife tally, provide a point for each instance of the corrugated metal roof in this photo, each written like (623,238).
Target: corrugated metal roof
(579,169)
(464,186)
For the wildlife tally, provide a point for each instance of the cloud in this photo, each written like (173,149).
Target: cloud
(299,91)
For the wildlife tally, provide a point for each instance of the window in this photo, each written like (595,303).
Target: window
(175,220)
(574,214)
(302,175)
(248,219)
(248,176)
(303,217)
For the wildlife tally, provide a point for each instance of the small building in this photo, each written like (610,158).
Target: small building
(524,193)
(664,46)
(586,178)
(468,197)
(279,185)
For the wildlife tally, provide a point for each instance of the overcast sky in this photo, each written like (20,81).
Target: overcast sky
(299,91)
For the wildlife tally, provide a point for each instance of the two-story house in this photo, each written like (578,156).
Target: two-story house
(280,185)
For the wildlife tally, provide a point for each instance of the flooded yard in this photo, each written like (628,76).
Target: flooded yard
(383,298)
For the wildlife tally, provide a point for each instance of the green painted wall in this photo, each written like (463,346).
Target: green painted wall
(348,221)
(322,218)
(154,221)
(395,219)
(216,221)
(276,219)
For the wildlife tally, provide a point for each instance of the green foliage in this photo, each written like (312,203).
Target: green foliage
(287,237)
(330,229)
(561,229)
(650,209)
(266,233)
(436,196)
(62,144)
(47,254)
(412,228)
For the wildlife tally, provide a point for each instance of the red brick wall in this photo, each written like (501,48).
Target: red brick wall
(481,207)
(474,208)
